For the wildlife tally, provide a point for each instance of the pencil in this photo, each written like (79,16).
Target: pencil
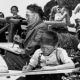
(13,40)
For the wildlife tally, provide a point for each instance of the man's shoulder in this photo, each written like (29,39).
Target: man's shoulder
(42,25)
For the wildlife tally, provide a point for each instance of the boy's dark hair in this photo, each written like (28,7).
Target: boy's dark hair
(37,9)
(15,7)
(49,38)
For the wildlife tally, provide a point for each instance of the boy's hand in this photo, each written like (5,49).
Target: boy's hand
(25,69)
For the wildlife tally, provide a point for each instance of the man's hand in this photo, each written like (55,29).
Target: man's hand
(20,51)
(17,38)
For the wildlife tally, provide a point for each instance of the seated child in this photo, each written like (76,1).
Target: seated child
(49,56)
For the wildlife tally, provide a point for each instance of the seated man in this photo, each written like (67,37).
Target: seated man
(36,27)
(49,56)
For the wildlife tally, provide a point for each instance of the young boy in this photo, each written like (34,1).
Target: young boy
(49,56)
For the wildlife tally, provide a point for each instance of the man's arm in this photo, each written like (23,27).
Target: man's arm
(77,9)
(52,13)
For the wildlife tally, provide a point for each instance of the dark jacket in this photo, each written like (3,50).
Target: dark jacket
(30,43)
(33,36)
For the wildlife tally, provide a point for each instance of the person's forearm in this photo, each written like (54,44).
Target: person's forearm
(51,15)
(63,16)
(63,66)
(77,9)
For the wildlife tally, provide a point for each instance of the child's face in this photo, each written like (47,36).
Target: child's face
(14,11)
(47,49)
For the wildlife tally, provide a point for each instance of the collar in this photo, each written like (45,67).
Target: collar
(37,23)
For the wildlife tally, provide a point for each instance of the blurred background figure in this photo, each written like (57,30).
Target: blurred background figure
(75,19)
(75,15)
(47,8)
(60,12)
(14,28)
(2,33)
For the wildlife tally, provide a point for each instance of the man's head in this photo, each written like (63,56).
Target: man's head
(48,42)
(14,10)
(1,15)
(33,13)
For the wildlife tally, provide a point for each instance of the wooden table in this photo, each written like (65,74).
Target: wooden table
(56,23)
(13,75)
(10,47)
(38,72)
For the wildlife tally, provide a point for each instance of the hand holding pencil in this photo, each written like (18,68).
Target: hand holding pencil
(17,38)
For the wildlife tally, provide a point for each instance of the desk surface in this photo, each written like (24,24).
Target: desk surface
(37,72)
(9,47)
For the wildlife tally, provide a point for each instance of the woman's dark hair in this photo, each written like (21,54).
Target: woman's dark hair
(37,9)
(14,7)
(49,38)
